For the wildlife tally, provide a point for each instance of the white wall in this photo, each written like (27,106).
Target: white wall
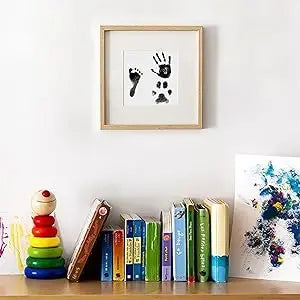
(49,114)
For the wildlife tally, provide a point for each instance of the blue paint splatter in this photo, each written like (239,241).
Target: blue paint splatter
(279,192)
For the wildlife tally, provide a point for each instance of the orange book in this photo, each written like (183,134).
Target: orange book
(118,254)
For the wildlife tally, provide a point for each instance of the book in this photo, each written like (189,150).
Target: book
(128,247)
(137,246)
(143,250)
(118,254)
(106,240)
(202,242)
(179,241)
(190,236)
(152,253)
(93,225)
(166,246)
(219,237)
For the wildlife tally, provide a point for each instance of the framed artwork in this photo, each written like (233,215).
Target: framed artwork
(265,239)
(14,233)
(151,77)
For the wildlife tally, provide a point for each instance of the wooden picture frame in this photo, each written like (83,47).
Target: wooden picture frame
(105,122)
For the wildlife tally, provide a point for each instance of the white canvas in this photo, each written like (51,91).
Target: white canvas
(144,80)
(265,240)
(14,233)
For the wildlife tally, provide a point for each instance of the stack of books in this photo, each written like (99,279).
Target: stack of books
(188,243)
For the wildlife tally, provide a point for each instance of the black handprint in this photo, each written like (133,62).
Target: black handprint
(164,70)
(134,76)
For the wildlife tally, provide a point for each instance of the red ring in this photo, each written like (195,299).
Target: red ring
(44,231)
(43,221)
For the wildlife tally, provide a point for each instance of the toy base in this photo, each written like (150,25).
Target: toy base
(51,273)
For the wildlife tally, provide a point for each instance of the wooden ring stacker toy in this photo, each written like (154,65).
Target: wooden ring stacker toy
(45,252)
(50,273)
(43,221)
(46,242)
(45,263)
(44,231)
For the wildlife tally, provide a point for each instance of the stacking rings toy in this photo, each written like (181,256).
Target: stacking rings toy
(44,261)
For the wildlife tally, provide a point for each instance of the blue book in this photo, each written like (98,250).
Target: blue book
(106,240)
(137,247)
(128,249)
(179,242)
(143,250)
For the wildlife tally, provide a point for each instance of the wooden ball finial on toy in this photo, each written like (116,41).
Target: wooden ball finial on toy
(43,203)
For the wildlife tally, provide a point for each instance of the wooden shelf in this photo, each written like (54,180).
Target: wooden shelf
(17,287)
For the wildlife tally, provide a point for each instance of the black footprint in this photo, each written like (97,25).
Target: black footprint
(134,76)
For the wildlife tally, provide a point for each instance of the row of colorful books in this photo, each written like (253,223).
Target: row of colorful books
(188,243)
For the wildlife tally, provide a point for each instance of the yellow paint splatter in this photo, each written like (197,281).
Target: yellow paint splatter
(280,259)
(16,241)
(278,206)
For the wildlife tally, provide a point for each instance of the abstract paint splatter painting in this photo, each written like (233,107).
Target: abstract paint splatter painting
(265,240)
(14,233)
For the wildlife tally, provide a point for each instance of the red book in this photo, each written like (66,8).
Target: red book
(95,221)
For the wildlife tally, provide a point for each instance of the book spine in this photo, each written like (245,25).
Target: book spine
(179,244)
(106,255)
(118,255)
(166,258)
(152,267)
(202,235)
(220,244)
(190,244)
(129,251)
(137,253)
(143,250)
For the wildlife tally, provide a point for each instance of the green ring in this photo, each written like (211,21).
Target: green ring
(45,263)
(45,252)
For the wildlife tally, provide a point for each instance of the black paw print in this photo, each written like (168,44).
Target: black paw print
(161,96)
(164,68)
(134,76)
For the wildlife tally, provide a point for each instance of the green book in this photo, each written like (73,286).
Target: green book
(202,243)
(152,249)
(190,243)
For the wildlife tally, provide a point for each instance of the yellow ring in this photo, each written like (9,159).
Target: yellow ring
(44,242)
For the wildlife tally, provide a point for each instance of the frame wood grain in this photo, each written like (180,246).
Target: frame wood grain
(104,124)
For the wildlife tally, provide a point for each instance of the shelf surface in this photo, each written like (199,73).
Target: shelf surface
(18,287)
